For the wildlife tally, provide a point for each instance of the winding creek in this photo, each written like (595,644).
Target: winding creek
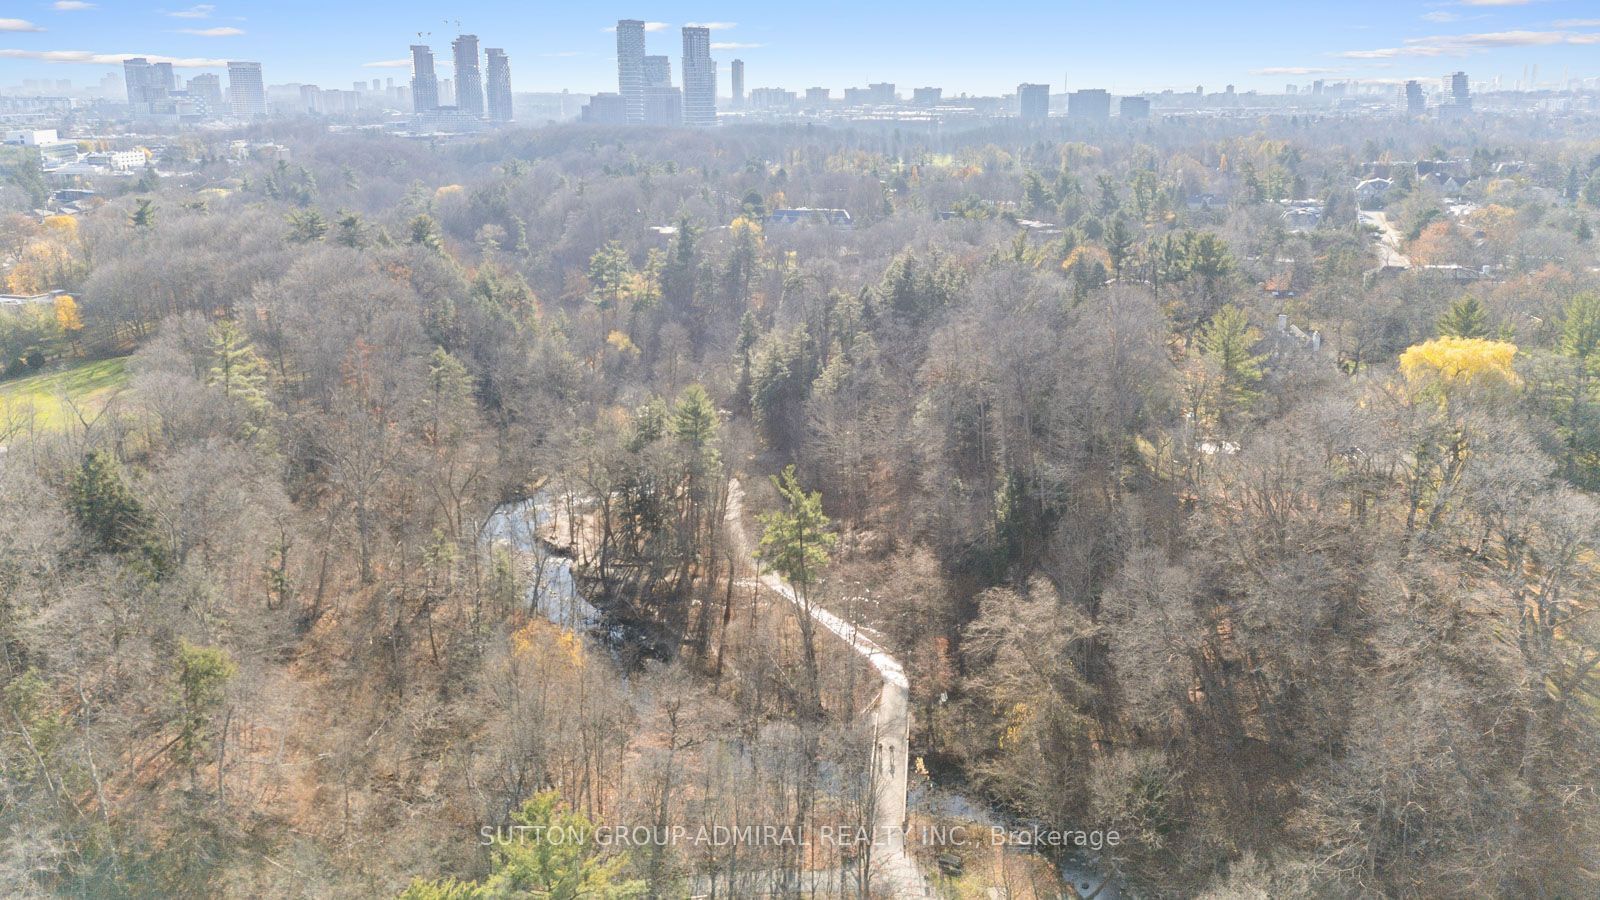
(554,591)
(556,595)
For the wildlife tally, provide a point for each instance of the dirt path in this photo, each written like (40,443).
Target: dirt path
(895,871)
(1388,248)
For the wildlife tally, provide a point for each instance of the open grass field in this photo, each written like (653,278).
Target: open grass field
(52,394)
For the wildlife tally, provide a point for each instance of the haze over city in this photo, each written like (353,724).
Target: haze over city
(1253,45)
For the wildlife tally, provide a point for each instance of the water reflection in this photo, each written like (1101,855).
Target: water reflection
(552,591)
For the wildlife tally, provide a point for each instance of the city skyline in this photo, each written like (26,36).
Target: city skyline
(1168,46)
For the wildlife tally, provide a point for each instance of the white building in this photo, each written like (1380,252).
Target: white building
(1373,190)
(117,160)
(42,137)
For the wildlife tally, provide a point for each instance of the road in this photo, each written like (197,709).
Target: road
(895,871)
(1389,254)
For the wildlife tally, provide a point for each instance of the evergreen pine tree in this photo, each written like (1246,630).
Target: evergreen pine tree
(1229,341)
(106,509)
(236,367)
(1465,318)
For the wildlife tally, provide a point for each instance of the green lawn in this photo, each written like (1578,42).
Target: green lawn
(88,385)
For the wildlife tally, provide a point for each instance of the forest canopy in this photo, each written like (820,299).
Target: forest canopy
(1178,515)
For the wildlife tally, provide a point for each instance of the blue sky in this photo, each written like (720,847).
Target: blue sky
(975,47)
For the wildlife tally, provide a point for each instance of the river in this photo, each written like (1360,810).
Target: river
(554,593)
(554,588)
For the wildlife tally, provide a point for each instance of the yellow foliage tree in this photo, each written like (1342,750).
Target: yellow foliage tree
(1459,361)
(533,640)
(1086,254)
(43,264)
(1017,720)
(66,226)
(1493,218)
(620,342)
(67,317)
(1500,187)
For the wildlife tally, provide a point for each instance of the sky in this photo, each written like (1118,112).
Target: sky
(980,48)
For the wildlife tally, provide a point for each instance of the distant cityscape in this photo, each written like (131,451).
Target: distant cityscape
(150,96)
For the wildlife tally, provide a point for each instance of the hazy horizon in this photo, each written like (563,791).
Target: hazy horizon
(1155,46)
